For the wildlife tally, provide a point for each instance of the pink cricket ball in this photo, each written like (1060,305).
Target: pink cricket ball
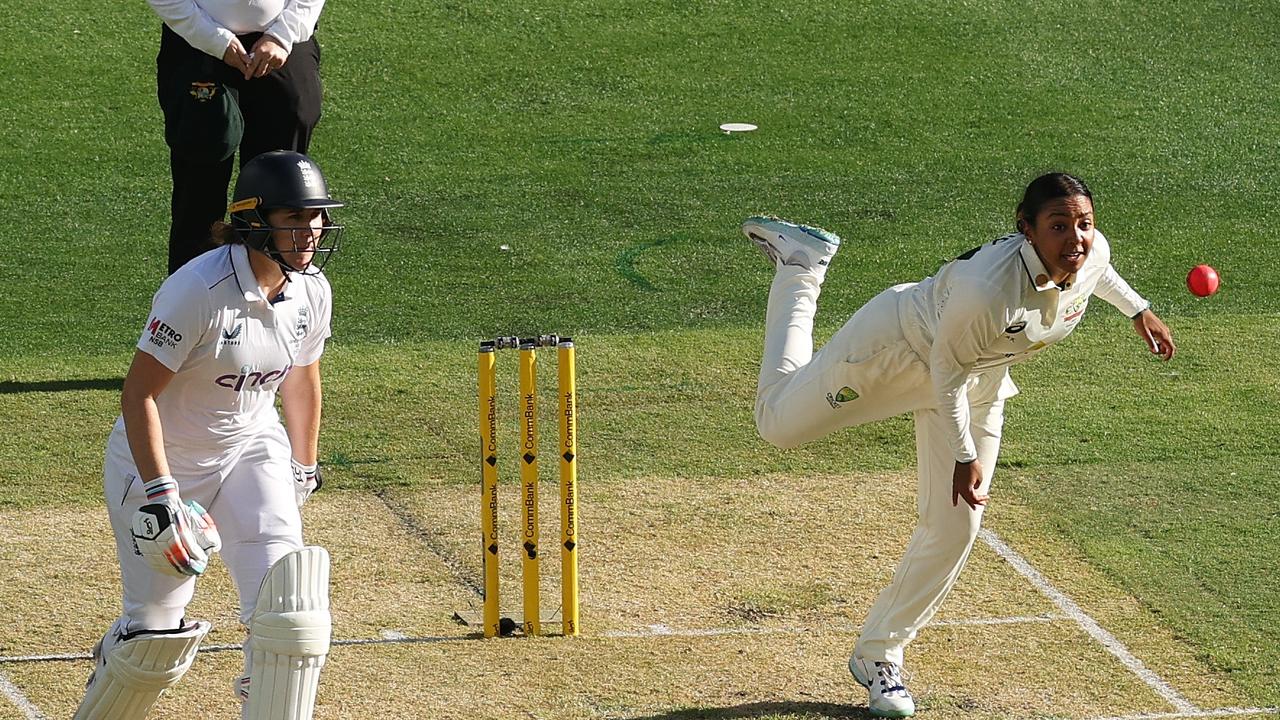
(1202,281)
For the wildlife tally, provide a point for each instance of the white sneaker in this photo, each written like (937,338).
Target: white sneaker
(786,243)
(888,696)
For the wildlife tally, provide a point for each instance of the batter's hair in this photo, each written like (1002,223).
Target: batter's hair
(223,234)
(1045,189)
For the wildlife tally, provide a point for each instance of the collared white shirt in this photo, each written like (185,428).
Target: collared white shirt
(230,348)
(209,25)
(996,306)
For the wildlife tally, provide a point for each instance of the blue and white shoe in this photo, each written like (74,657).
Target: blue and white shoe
(788,243)
(888,696)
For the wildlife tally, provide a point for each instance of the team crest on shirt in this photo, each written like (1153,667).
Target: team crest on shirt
(162,335)
(1075,309)
(302,324)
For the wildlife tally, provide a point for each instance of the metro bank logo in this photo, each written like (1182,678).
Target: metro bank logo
(162,335)
(252,380)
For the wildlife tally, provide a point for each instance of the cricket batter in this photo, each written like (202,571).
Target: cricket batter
(198,429)
(940,349)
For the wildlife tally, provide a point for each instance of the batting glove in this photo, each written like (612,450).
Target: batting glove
(306,480)
(174,537)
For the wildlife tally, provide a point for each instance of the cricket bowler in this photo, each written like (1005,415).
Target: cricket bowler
(941,349)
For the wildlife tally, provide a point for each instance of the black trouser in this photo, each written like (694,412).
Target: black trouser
(280,111)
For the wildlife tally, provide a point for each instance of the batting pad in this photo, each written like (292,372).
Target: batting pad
(133,674)
(289,637)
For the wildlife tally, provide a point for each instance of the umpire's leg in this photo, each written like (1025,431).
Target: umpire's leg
(199,199)
(281,109)
(199,188)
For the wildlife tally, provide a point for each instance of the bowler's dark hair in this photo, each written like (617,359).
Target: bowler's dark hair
(1045,189)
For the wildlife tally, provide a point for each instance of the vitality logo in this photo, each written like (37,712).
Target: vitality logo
(845,394)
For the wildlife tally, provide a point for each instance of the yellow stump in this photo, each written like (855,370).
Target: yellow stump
(568,488)
(529,485)
(489,487)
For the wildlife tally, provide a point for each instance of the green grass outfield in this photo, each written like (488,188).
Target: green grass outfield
(582,136)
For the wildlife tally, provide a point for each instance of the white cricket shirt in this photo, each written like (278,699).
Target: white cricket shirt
(996,306)
(209,25)
(230,349)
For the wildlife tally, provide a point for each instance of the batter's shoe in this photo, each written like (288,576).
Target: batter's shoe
(787,243)
(888,696)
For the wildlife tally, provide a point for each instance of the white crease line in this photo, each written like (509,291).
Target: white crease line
(49,657)
(1091,626)
(667,631)
(1045,618)
(402,640)
(19,700)
(396,637)
(1219,712)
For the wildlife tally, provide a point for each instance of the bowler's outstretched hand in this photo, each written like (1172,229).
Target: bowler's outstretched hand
(1155,334)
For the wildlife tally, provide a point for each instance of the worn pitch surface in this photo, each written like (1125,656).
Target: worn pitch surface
(701,598)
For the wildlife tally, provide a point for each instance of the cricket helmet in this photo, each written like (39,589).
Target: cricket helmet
(282,179)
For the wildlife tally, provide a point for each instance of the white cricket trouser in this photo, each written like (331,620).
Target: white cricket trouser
(252,503)
(868,372)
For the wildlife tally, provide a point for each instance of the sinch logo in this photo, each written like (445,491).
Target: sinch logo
(252,380)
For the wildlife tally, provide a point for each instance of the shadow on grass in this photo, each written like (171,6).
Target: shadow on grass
(813,710)
(11,387)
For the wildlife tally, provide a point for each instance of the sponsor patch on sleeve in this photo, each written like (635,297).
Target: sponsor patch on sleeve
(162,335)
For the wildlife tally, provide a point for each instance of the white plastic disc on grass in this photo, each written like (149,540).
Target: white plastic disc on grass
(737,127)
